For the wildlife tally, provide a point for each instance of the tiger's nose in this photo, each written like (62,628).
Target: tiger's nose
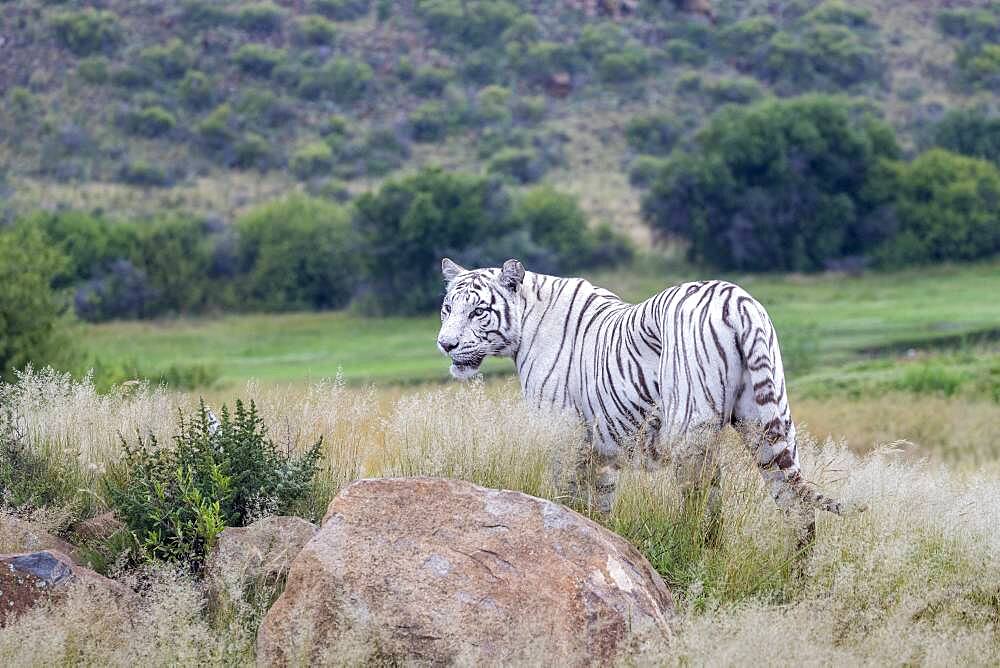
(447,346)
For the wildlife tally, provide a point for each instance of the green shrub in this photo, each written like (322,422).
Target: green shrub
(29,310)
(430,81)
(295,253)
(627,65)
(599,39)
(315,31)
(970,132)
(779,185)
(383,10)
(838,12)
(148,122)
(946,205)
(409,224)
(170,61)
(430,122)
(311,160)
(655,134)
(981,66)
(645,170)
(823,56)
(540,60)
(342,10)
(261,18)
(252,151)
(745,38)
(741,90)
(131,77)
(688,83)
(264,108)
(343,80)
(683,52)
(93,70)
(87,31)
(176,256)
(204,14)
(472,23)
(979,24)
(523,165)
(530,109)
(524,29)
(142,173)
(196,90)
(258,59)
(176,500)
(215,131)
(492,103)
(88,242)
(336,129)
(382,152)
(481,67)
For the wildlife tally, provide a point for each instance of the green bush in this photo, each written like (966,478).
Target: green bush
(311,160)
(556,223)
(260,18)
(215,131)
(343,80)
(655,134)
(970,132)
(409,224)
(472,23)
(315,31)
(492,103)
(540,60)
(780,185)
(175,255)
(946,205)
(30,311)
(342,10)
(531,109)
(258,59)
(252,151)
(627,65)
(93,70)
(263,108)
(745,38)
(87,31)
(170,61)
(295,253)
(131,77)
(196,90)
(204,14)
(740,90)
(599,39)
(683,52)
(430,122)
(88,242)
(981,66)
(430,81)
(979,24)
(645,170)
(523,165)
(837,12)
(149,122)
(176,500)
(142,173)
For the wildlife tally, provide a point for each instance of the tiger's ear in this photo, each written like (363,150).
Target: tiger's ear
(512,274)
(450,269)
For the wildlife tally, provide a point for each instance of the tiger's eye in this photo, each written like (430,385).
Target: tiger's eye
(478,312)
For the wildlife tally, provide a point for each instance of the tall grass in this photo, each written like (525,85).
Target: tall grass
(912,580)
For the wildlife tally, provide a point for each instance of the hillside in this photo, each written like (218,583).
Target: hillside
(209,107)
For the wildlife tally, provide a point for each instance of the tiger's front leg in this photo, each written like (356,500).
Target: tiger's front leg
(595,483)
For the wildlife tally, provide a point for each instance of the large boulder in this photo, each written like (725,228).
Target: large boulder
(437,571)
(29,578)
(258,554)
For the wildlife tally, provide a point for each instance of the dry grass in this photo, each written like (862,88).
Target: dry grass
(913,580)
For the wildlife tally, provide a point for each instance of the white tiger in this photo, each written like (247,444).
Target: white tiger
(666,372)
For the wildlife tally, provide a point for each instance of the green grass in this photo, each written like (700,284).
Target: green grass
(823,321)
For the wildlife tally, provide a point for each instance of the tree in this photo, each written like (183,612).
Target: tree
(947,208)
(410,224)
(30,312)
(780,185)
(969,132)
(298,252)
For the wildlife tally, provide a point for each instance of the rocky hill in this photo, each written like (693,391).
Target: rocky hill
(210,106)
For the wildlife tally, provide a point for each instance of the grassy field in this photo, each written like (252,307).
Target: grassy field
(824,322)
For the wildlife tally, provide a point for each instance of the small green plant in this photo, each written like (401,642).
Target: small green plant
(315,31)
(312,159)
(87,31)
(149,122)
(221,472)
(258,59)
(261,18)
(341,10)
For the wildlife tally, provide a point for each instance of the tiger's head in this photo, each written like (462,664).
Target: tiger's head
(480,315)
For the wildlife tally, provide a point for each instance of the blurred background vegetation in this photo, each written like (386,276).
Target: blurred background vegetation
(201,158)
